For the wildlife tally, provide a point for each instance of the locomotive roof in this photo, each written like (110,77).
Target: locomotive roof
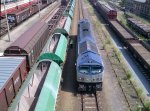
(87,46)
(27,40)
(89,58)
(8,65)
(85,32)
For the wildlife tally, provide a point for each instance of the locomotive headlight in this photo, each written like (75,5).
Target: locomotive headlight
(81,78)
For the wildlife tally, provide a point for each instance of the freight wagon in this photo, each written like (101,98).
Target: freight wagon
(140,27)
(107,11)
(121,32)
(18,16)
(140,53)
(14,6)
(13,71)
(30,43)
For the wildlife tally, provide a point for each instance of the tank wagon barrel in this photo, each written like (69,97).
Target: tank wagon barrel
(50,88)
(64,25)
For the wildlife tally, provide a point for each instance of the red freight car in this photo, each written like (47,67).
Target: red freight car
(13,71)
(30,43)
(108,12)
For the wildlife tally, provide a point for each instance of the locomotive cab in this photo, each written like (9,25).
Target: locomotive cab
(89,71)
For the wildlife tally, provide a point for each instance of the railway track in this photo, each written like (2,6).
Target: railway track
(81,12)
(90,101)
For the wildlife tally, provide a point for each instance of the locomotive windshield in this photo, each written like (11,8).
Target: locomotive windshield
(96,69)
(84,69)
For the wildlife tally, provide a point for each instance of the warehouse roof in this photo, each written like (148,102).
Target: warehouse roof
(8,65)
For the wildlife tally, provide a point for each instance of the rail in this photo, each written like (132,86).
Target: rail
(81,14)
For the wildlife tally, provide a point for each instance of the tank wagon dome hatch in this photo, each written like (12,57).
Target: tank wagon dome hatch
(50,56)
(64,26)
(89,58)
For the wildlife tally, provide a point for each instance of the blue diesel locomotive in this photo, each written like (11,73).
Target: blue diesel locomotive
(89,65)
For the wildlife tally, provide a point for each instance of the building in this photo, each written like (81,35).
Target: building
(139,7)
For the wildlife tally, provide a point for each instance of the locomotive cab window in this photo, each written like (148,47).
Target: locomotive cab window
(85,29)
(96,69)
(84,69)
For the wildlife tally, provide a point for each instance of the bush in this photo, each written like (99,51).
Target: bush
(129,75)
(147,106)
(139,92)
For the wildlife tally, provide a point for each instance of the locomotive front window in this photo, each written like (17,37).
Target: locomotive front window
(84,69)
(96,69)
